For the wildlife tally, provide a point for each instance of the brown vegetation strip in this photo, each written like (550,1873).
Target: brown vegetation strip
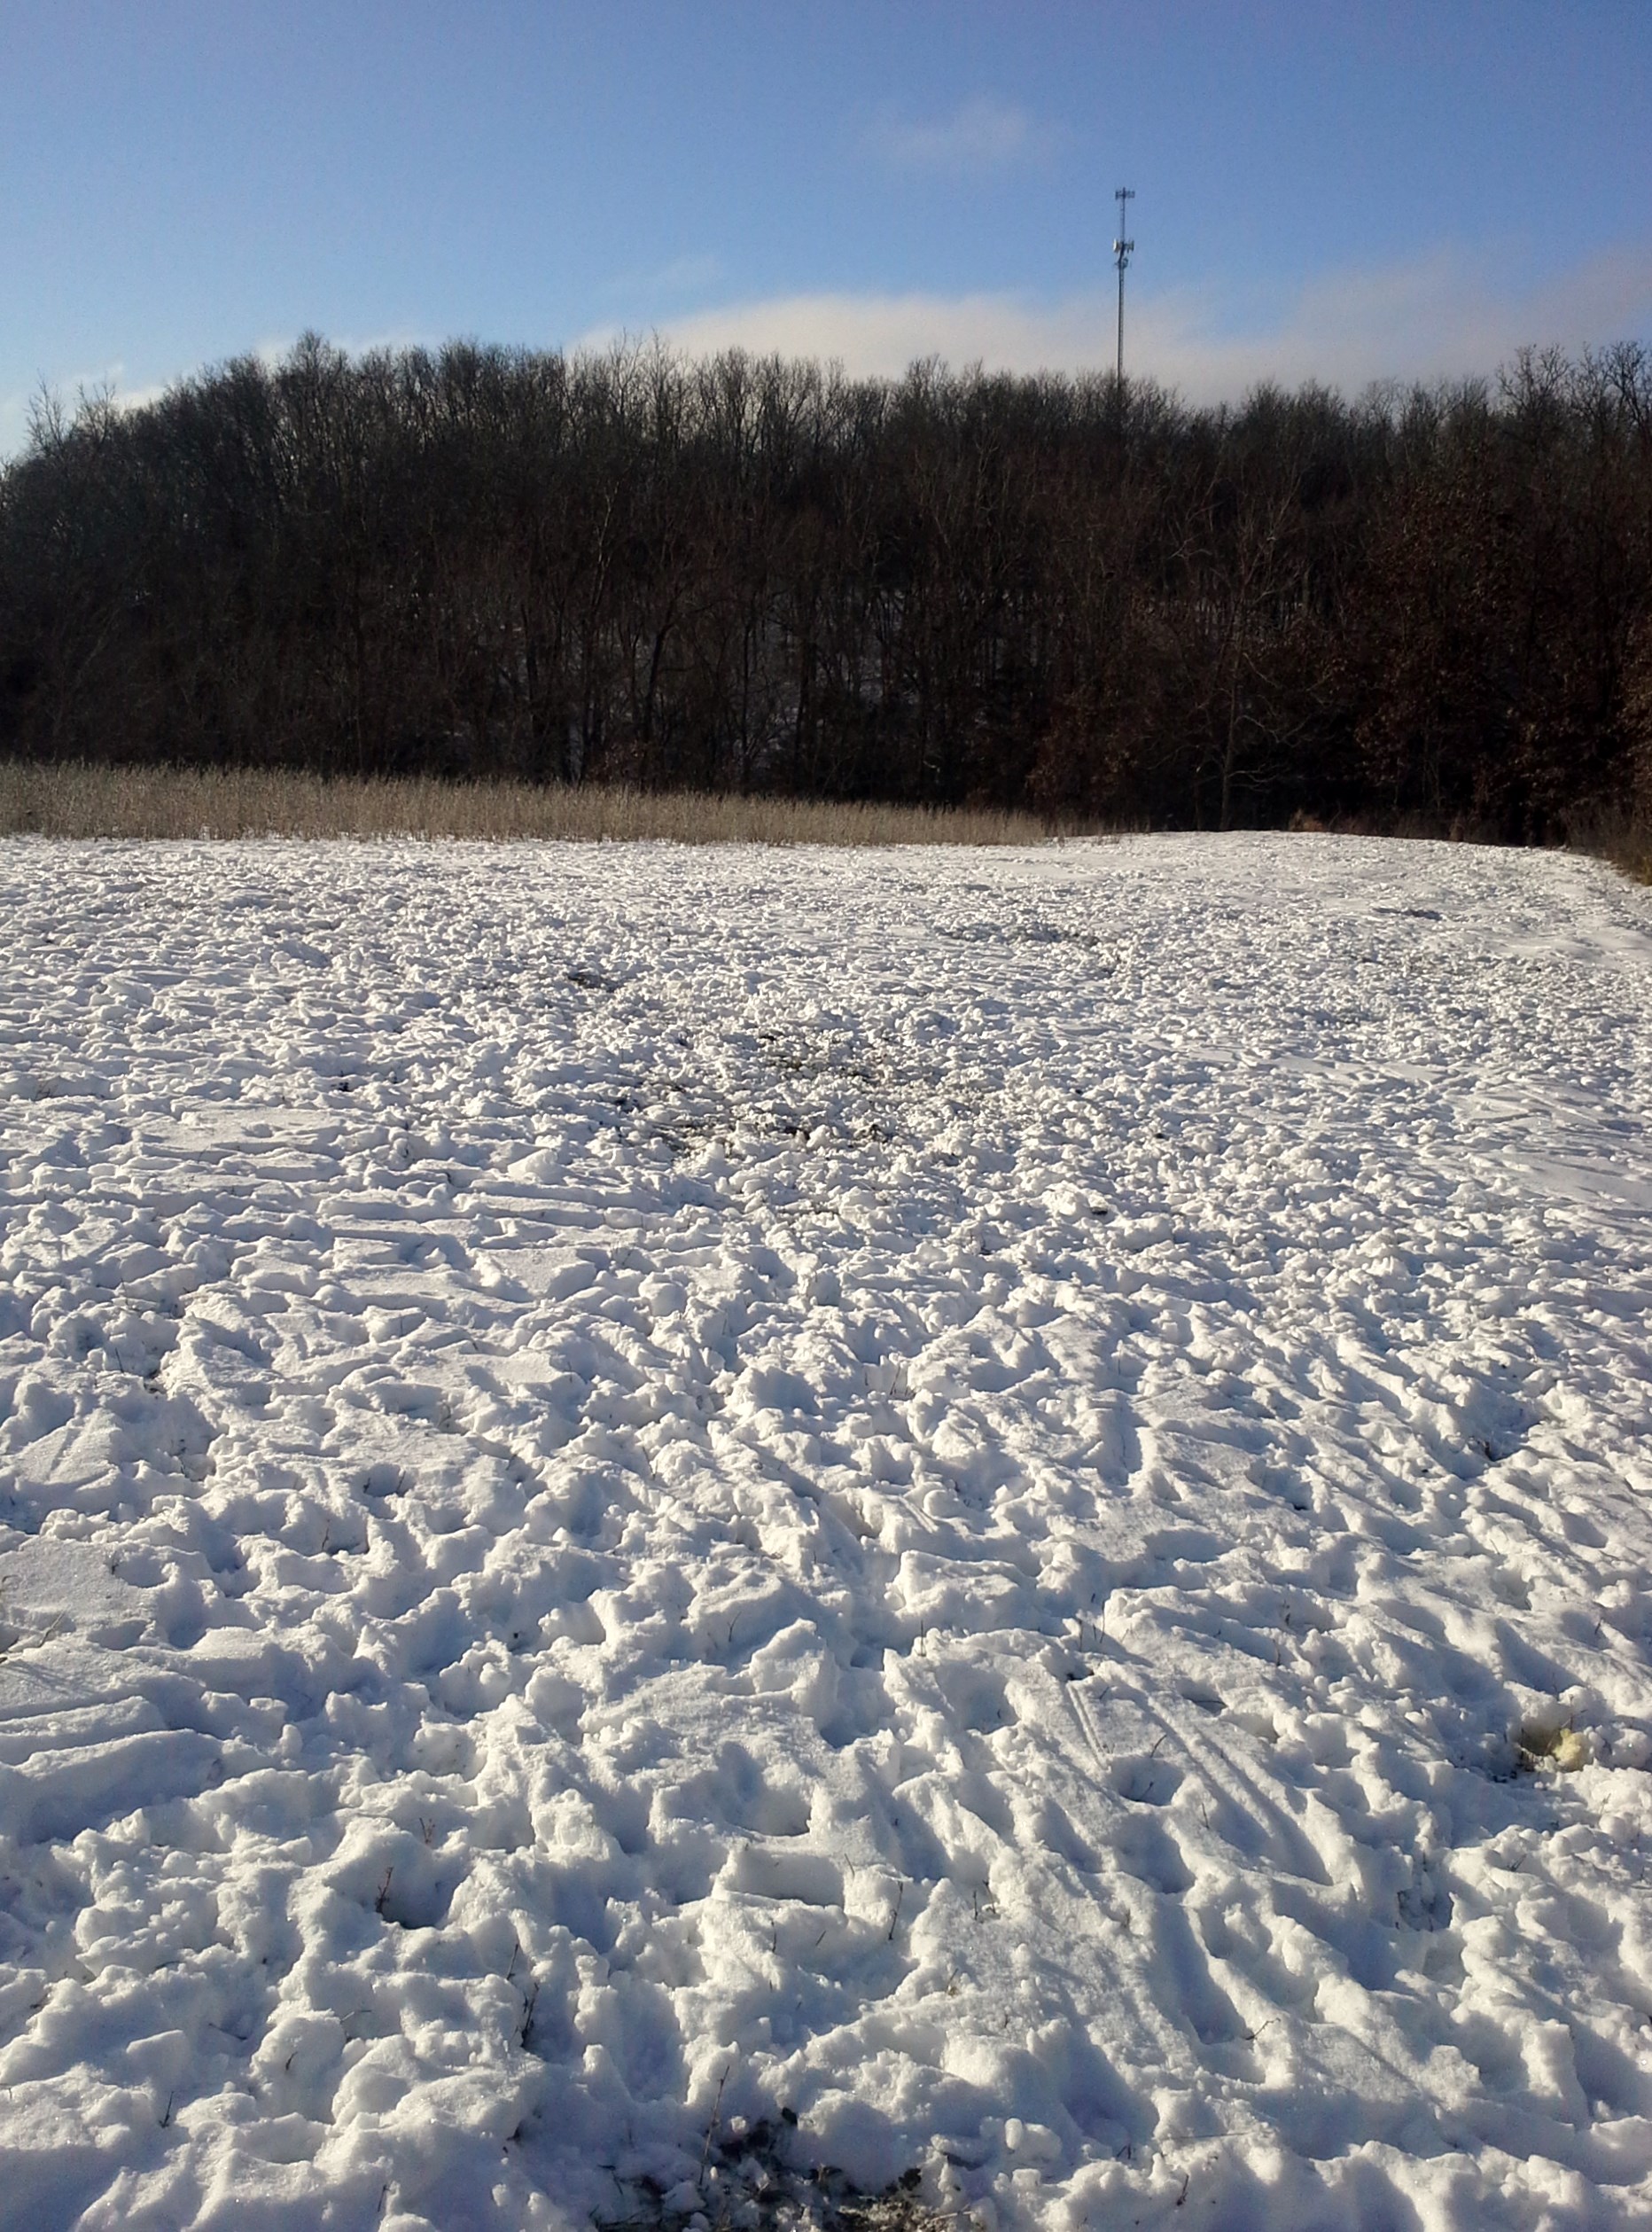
(86,800)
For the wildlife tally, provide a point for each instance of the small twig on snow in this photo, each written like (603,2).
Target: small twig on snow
(711,2128)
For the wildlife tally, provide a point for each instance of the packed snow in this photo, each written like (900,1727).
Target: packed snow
(688,1532)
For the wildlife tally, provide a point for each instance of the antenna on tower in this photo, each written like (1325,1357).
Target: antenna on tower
(1123,250)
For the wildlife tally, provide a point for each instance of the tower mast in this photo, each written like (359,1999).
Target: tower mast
(1123,250)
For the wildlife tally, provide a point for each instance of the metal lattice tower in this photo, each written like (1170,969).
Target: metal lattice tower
(1123,250)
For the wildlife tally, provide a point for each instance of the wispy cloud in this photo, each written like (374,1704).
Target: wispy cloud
(1438,317)
(16,406)
(13,421)
(111,379)
(683,274)
(1441,316)
(982,135)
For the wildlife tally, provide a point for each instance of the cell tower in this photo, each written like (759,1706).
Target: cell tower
(1123,250)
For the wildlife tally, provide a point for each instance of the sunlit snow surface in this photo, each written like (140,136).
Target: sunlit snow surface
(932,1488)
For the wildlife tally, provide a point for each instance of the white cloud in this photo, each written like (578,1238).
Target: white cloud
(1440,317)
(982,135)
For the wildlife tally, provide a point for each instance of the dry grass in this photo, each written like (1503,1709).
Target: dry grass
(1625,838)
(1631,851)
(86,800)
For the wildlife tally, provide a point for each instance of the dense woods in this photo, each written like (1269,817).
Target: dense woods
(764,575)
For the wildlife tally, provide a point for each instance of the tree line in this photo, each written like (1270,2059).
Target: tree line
(753,574)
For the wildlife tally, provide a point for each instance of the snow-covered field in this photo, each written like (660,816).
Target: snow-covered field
(997,1501)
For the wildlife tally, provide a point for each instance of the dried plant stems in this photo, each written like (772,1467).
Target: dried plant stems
(84,800)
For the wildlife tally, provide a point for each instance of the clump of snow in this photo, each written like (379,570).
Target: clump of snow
(702,1534)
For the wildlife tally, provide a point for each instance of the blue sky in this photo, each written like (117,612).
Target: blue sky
(1325,188)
